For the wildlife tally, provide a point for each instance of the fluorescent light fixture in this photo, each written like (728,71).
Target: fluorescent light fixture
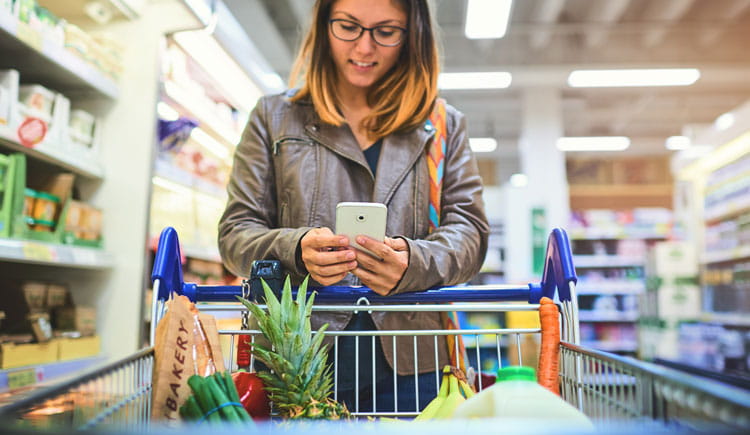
(201,10)
(212,57)
(724,121)
(519,180)
(482,144)
(166,112)
(209,143)
(475,80)
(675,143)
(171,186)
(487,19)
(593,78)
(593,143)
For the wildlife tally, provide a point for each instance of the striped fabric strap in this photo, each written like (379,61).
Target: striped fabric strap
(435,161)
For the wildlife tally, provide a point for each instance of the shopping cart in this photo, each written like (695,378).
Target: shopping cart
(606,387)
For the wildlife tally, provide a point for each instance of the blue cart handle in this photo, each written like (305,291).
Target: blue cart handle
(558,274)
(168,265)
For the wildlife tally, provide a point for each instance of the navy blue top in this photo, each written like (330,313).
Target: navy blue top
(372,154)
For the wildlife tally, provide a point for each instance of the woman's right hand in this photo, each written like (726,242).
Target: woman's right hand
(327,257)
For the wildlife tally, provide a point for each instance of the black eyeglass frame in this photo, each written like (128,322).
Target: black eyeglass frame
(363,29)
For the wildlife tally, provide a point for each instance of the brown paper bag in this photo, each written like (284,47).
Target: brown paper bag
(187,342)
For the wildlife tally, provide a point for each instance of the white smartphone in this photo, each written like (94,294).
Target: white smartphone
(361,218)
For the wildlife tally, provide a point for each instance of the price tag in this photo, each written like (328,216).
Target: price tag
(30,36)
(36,251)
(21,378)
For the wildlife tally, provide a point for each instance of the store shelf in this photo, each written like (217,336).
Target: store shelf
(124,8)
(47,254)
(31,375)
(591,261)
(658,232)
(607,316)
(612,287)
(185,179)
(612,346)
(727,209)
(621,190)
(186,104)
(53,155)
(732,319)
(40,60)
(738,253)
(202,253)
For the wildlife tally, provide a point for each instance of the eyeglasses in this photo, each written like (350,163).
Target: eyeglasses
(387,36)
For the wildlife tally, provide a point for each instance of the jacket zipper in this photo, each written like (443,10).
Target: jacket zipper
(286,139)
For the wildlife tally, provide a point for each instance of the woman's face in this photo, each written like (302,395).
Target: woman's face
(361,62)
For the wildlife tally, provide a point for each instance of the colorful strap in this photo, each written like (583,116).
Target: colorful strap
(435,158)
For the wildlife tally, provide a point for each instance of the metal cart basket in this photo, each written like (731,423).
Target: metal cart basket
(606,387)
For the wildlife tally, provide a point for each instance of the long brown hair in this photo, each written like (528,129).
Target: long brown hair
(401,100)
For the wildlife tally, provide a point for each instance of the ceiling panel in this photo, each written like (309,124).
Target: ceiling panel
(547,39)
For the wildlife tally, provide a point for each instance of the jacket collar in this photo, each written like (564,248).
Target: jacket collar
(398,155)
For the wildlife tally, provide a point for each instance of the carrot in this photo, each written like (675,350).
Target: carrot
(549,355)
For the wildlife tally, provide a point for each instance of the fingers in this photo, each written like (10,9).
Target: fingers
(381,275)
(322,238)
(397,244)
(326,256)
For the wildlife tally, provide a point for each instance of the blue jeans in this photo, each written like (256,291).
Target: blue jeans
(385,394)
(384,388)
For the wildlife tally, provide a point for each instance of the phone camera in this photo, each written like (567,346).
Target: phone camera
(361,218)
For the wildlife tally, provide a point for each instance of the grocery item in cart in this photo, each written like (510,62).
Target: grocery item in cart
(186,343)
(300,380)
(517,395)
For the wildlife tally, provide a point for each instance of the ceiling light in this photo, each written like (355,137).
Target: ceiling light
(724,121)
(209,143)
(593,143)
(633,77)
(487,19)
(519,180)
(677,143)
(482,144)
(475,80)
(166,112)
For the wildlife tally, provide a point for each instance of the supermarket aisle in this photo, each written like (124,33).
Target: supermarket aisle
(104,143)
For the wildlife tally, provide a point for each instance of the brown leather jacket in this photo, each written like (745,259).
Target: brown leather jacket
(290,170)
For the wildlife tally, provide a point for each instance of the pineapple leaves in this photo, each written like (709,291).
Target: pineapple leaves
(300,375)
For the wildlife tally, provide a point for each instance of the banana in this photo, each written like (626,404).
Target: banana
(466,389)
(429,411)
(451,402)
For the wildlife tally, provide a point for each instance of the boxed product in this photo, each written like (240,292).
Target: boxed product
(57,295)
(38,99)
(77,318)
(75,348)
(8,94)
(82,126)
(30,354)
(673,259)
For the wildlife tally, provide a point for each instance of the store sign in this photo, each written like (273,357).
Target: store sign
(538,239)
(31,132)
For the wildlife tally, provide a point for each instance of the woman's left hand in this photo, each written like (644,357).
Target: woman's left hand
(382,276)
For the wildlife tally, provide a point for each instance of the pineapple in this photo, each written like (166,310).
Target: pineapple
(301,379)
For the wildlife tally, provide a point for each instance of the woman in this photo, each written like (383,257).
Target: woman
(356,131)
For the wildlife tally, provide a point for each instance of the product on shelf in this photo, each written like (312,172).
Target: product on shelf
(81,319)
(38,99)
(82,126)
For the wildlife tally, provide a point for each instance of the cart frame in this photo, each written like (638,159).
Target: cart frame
(606,387)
